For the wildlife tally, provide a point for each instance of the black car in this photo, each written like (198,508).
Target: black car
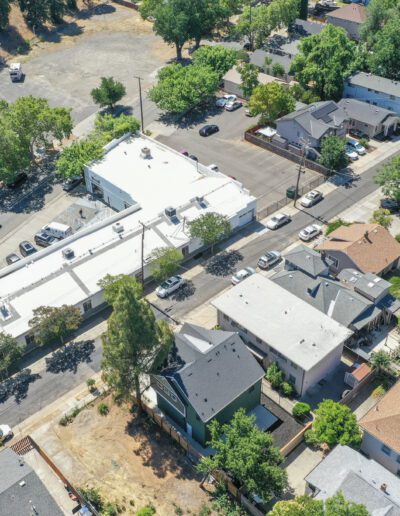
(208,129)
(12,258)
(44,239)
(71,183)
(390,204)
(193,157)
(27,248)
(20,178)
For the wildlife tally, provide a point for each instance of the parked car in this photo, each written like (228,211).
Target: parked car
(221,101)
(233,105)
(311,198)
(269,259)
(278,220)
(44,239)
(71,183)
(170,285)
(310,232)
(193,157)
(208,129)
(20,178)
(27,248)
(5,433)
(351,153)
(57,230)
(242,274)
(12,258)
(358,134)
(213,167)
(360,149)
(390,204)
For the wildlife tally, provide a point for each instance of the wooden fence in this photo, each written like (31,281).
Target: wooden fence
(295,441)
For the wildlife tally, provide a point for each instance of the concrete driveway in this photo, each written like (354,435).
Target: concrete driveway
(264,173)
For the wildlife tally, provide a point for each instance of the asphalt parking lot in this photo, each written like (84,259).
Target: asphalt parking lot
(264,173)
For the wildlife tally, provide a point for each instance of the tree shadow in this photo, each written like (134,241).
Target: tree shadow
(69,357)
(157,450)
(90,11)
(11,39)
(184,292)
(17,386)
(193,118)
(224,263)
(55,34)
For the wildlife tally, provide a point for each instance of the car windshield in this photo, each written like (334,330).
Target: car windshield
(166,284)
(276,219)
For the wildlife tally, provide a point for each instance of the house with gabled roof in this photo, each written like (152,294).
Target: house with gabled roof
(210,375)
(350,18)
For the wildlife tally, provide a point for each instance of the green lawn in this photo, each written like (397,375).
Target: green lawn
(395,288)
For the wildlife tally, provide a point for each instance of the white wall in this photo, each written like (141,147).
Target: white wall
(323,368)
(373,97)
(373,448)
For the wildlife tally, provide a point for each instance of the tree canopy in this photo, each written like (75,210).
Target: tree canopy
(271,101)
(181,88)
(50,323)
(249,77)
(379,12)
(382,217)
(324,61)
(108,93)
(334,423)
(333,153)
(10,351)
(385,55)
(80,153)
(112,284)
(388,178)
(247,454)
(304,505)
(165,262)
(109,127)
(217,57)
(210,228)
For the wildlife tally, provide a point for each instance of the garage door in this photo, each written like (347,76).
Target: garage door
(245,218)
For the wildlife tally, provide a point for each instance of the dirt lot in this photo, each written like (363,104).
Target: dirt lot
(128,459)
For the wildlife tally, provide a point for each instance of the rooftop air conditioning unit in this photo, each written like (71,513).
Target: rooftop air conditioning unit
(170,212)
(200,199)
(118,227)
(68,253)
(145,153)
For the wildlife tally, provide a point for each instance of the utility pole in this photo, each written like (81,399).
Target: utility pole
(300,170)
(141,101)
(142,253)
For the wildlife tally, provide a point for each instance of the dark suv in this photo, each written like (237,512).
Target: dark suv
(27,248)
(44,239)
(390,204)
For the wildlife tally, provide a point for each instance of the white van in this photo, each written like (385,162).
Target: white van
(57,230)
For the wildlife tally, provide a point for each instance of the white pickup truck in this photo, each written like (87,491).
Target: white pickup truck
(16,72)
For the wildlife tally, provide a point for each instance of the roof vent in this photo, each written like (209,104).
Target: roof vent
(22,483)
(200,199)
(145,153)
(118,227)
(68,253)
(170,212)
(384,487)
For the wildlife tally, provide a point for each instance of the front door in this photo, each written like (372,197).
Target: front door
(189,429)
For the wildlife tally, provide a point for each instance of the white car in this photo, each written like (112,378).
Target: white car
(354,144)
(310,232)
(311,198)
(278,220)
(242,274)
(5,433)
(222,101)
(170,285)
(213,167)
(351,153)
(269,259)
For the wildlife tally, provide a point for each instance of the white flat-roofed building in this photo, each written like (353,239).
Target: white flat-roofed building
(54,277)
(280,327)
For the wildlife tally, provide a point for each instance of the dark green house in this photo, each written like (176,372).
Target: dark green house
(210,375)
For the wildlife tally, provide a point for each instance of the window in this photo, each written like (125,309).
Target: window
(87,305)
(398,458)
(292,379)
(234,324)
(173,397)
(386,449)
(185,250)
(259,341)
(30,339)
(226,317)
(293,365)
(391,97)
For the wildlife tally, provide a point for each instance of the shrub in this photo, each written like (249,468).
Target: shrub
(301,410)
(397,237)
(93,496)
(91,382)
(378,391)
(275,376)
(287,389)
(364,142)
(103,409)
(336,224)
(65,420)
(148,510)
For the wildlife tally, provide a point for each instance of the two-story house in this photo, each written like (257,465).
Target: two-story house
(350,18)
(374,90)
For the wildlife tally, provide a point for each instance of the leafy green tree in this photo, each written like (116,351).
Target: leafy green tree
(50,323)
(181,88)
(112,285)
(275,376)
(210,228)
(5,8)
(334,423)
(147,510)
(205,15)
(165,262)
(132,343)
(380,360)
(35,12)
(382,217)
(278,70)
(388,178)
(247,454)
(14,156)
(108,127)
(271,101)
(324,61)
(304,505)
(108,93)
(249,78)
(303,15)
(333,153)
(309,97)
(301,409)
(385,56)
(11,350)
(218,58)
(379,12)
(80,153)
(56,10)
(337,505)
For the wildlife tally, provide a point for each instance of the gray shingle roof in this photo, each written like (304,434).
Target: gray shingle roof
(364,112)
(318,118)
(359,478)
(307,27)
(212,368)
(328,296)
(375,82)
(369,284)
(15,499)
(258,58)
(306,259)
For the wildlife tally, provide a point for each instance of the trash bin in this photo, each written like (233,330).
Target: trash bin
(291,192)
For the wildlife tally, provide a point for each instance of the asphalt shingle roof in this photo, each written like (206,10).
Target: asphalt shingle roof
(375,82)
(353,12)
(364,112)
(212,368)
(306,259)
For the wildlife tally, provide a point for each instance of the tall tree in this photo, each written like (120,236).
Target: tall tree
(210,228)
(165,262)
(109,127)
(50,323)
(249,77)
(247,454)
(378,13)
(10,351)
(380,360)
(388,178)
(217,57)
(337,505)
(304,505)
(333,153)
(334,423)
(132,343)
(303,15)
(112,284)
(108,93)
(385,56)
(35,12)
(56,10)
(5,8)
(324,61)
(174,23)
(80,153)
(271,101)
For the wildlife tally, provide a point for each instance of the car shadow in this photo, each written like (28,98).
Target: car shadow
(223,264)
